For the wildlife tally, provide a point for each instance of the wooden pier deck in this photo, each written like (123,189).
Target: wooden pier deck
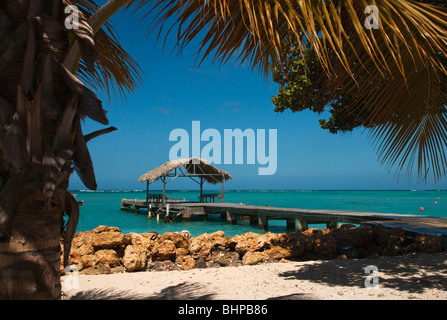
(296,219)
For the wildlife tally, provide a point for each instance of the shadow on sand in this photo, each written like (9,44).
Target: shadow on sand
(412,274)
(182,291)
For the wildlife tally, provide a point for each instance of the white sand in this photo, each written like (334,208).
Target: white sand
(422,276)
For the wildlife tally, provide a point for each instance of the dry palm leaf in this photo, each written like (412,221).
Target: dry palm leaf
(115,71)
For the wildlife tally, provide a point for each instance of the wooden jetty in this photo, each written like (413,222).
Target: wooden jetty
(296,219)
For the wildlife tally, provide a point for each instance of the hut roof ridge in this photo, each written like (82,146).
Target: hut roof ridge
(194,166)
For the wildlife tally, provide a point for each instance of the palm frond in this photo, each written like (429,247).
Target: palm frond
(395,73)
(115,71)
(255,30)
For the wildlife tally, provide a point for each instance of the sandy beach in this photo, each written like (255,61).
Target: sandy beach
(417,276)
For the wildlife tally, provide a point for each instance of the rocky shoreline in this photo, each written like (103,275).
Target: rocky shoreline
(107,250)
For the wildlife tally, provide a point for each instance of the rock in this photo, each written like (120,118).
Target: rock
(118,269)
(218,239)
(166,265)
(88,261)
(108,239)
(312,232)
(325,245)
(225,258)
(371,251)
(75,258)
(135,258)
(388,240)
(249,242)
(428,243)
(411,248)
(137,239)
(283,251)
(252,257)
(108,257)
(178,239)
(100,229)
(201,246)
(106,249)
(383,236)
(181,252)
(360,237)
(186,234)
(150,235)
(348,250)
(81,244)
(200,263)
(96,270)
(212,264)
(272,238)
(391,249)
(304,239)
(187,263)
(165,250)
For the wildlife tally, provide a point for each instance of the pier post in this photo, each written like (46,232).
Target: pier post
(301,224)
(231,217)
(262,221)
(291,225)
(253,220)
(332,224)
(149,212)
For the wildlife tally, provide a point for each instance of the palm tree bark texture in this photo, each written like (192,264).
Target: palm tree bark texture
(41,143)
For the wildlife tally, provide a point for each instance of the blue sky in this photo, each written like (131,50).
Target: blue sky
(174,94)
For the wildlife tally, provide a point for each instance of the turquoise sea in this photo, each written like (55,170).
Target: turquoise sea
(103,207)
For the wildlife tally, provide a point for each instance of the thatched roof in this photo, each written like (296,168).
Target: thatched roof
(201,167)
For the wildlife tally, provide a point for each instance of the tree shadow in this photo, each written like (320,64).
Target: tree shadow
(182,291)
(293,296)
(413,273)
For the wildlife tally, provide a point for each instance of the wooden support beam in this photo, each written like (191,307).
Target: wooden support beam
(223,193)
(231,217)
(291,225)
(262,221)
(147,193)
(201,188)
(301,224)
(253,220)
(332,224)
(164,189)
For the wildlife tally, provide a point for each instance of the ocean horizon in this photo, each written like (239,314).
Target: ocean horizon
(103,207)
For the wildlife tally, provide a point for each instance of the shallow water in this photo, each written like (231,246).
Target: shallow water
(103,208)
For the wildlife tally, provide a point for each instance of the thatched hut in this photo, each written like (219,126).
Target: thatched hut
(193,168)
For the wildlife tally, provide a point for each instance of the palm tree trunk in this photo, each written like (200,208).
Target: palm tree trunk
(30,256)
(41,142)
